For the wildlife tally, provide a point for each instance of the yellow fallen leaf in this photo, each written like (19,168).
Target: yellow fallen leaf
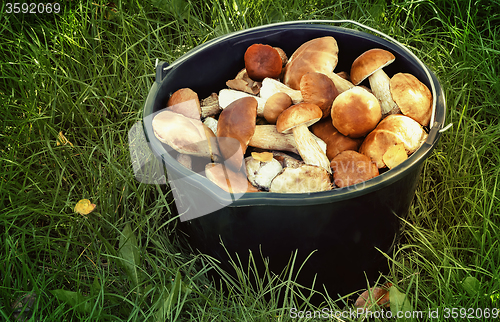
(84,207)
(62,140)
(263,156)
(394,155)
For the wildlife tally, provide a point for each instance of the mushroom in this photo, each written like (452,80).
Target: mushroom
(414,99)
(227,179)
(370,64)
(210,105)
(261,172)
(303,179)
(318,89)
(228,96)
(242,82)
(392,130)
(351,167)
(262,61)
(185,101)
(272,86)
(335,141)
(316,55)
(211,123)
(184,134)
(267,137)
(296,120)
(286,160)
(355,112)
(235,128)
(276,104)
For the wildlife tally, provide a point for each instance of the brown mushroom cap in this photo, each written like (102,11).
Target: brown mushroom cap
(184,134)
(276,104)
(369,62)
(299,114)
(185,101)
(412,96)
(335,141)
(262,61)
(316,55)
(356,112)
(350,167)
(392,130)
(318,89)
(227,179)
(235,128)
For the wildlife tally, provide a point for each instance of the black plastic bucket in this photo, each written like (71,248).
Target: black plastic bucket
(346,229)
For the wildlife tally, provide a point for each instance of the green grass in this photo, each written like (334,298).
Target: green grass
(86,73)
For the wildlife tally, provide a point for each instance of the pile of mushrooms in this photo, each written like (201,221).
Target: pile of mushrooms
(293,125)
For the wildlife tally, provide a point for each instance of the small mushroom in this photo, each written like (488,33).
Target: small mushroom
(242,82)
(370,64)
(272,86)
(228,179)
(210,105)
(276,104)
(211,123)
(228,96)
(350,168)
(267,137)
(184,134)
(302,179)
(296,120)
(316,55)
(185,101)
(262,61)
(414,99)
(335,141)
(235,128)
(318,89)
(392,130)
(260,173)
(355,112)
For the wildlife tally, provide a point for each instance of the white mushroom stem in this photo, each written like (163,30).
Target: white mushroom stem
(271,86)
(268,138)
(227,96)
(341,84)
(379,83)
(211,123)
(309,149)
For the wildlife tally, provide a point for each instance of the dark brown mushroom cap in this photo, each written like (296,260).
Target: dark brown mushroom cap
(299,114)
(262,61)
(414,99)
(185,101)
(369,62)
(335,141)
(317,88)
(276,104)
(316,55)
(235,128)
(350,167)
(356,112)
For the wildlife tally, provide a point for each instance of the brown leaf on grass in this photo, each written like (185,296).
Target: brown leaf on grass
(378,294)
(84,207)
